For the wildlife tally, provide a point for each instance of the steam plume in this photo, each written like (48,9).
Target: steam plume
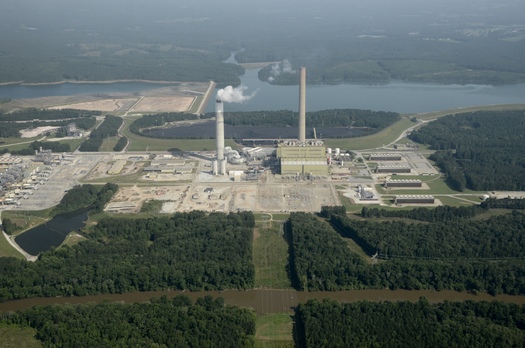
(284,67)
(234,95)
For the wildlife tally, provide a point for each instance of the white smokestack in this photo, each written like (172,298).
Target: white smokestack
(219,133)
(302,105)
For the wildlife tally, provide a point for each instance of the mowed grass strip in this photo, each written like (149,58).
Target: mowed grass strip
(275,331)
(270,256)
(384,137)
(6,250)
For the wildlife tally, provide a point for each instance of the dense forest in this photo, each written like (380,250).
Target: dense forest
(161,323)
(172,43)
(376,120)
(406,324)
(441,213)
(504,203)
(497,237)
(191,251)
(480,151)
(108,128)
(321,260)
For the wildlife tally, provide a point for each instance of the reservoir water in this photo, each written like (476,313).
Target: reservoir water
(398,96)
(52,233)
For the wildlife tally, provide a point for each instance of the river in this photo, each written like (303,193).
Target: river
(266,301)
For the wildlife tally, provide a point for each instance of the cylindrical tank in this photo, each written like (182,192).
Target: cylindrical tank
(329,150)
(337,151)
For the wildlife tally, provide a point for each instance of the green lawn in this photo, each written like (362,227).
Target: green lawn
(16,337)
(373,141)
(270,256)
(274,331)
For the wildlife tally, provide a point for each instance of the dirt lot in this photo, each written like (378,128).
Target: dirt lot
(175,97)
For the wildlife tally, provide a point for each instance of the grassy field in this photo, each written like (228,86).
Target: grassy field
(373,141)
(72,238)
(108,144)
(270,256)
(16,337)
(274,331)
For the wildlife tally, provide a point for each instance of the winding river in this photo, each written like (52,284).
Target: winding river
(266,301)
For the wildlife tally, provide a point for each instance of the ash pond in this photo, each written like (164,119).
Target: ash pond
(52,233)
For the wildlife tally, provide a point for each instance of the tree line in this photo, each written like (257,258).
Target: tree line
(376,120)
(162,322)
(30,114)
(158,120)
(406,324)
(108,128)
(191,251)
(480,151)
(121,144)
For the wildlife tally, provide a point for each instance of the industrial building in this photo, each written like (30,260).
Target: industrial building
(302,157)
(403,183)
(394,169)
(414,199)
(384,157)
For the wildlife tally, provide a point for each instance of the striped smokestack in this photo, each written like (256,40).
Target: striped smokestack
(302,105)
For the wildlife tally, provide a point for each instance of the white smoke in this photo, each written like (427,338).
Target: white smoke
(234,95)
(284,67)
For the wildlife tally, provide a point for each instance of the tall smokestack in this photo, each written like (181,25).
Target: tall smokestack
(219,134)
(302,105)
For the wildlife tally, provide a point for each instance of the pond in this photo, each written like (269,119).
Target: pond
(52,233)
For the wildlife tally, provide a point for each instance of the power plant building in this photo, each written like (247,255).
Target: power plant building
(384,157)
(403,183)
(414,199)
(302,156)
(310,158)
(394,169)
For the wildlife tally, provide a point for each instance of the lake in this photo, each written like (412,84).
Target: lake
(52,233)
(398,96)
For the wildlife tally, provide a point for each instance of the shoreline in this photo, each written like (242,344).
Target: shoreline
(22,83)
